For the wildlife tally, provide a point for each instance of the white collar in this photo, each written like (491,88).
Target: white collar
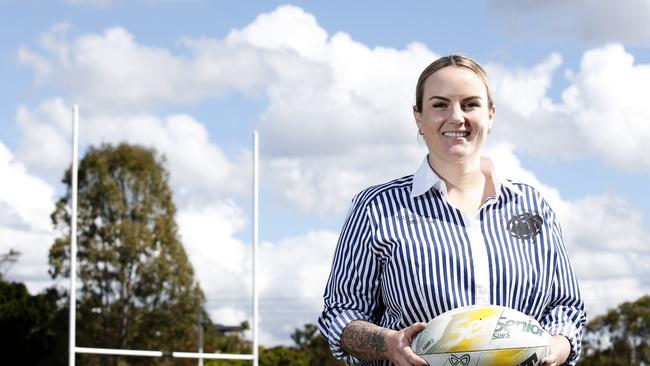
(425,178)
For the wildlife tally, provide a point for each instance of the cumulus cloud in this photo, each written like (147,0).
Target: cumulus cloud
(600,113)
(223,265)
(112,72)
(606,100)
(46,130)
(200,169)
(332,96)
(327,97)
(293,272)
(608,240)
(585,21)
(326,184)
(26,202)
(29,199)
(523,89)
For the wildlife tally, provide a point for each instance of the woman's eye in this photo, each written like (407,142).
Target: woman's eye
(471,105)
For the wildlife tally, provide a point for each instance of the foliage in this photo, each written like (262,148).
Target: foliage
(315,346)
(620,337)
(7,260)
(311,350)
(283,356)
(137,286)
(34,328)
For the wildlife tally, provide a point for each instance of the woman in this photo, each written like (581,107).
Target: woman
(452,234)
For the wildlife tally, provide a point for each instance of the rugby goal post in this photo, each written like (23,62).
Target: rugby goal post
(73,349)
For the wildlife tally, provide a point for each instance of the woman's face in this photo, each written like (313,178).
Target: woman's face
(455,117)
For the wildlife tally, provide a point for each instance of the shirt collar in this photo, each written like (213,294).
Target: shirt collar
(425,178)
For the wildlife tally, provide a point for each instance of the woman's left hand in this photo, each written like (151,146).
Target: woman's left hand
(558,351)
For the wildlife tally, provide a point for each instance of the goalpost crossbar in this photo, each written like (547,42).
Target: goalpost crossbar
(142,353)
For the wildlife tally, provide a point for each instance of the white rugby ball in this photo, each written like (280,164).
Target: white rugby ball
(482,336)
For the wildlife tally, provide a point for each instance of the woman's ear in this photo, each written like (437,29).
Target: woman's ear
(491,113)
(417,116)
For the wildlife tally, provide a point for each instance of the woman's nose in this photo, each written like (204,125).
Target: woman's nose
(457,115)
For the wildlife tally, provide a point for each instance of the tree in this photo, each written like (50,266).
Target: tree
(619,337)
(33,327)
(137,286)
(7,260)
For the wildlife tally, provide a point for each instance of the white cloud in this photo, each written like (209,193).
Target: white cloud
(608,242)
(288,27)
(332,101)
(603,294)
(221,262)
(521,89)
(600,114)
(25,206)
(199,168)
(326,184)
(327,97)
(45,145)
(292,272)
(229,316)
(606,100)
(112,72)
(607,223)
(29,198)
(584,21)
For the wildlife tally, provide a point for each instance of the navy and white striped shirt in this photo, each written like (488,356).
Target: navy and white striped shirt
(406,255)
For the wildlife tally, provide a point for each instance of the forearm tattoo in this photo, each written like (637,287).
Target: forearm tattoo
(364,340)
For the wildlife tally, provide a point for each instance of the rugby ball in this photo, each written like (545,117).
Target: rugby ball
(482,336)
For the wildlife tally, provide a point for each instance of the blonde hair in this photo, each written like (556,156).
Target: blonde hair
(452,60)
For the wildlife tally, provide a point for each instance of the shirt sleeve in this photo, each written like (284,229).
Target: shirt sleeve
(352,291)
(565,314)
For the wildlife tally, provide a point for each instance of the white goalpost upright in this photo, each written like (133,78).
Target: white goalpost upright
(256,208)
(73,349)
(73,236)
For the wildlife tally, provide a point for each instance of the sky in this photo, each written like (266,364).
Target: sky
(329,86)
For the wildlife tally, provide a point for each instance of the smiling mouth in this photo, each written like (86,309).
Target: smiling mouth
(455,134)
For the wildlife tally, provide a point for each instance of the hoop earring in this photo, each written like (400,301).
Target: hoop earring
(420,132)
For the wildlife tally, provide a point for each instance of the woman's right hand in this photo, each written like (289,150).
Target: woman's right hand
(369,341)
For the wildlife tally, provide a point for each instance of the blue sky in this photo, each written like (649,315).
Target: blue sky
(329,86)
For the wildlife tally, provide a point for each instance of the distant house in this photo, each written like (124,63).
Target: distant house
(226,330)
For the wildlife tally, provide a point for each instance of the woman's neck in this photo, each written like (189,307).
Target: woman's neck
(462,177)
(468,186)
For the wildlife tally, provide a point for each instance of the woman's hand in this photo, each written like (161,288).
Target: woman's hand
(398,344)
(369,341)
(558,351)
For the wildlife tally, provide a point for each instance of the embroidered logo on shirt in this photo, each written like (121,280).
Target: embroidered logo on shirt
(413,218)
(525,226)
